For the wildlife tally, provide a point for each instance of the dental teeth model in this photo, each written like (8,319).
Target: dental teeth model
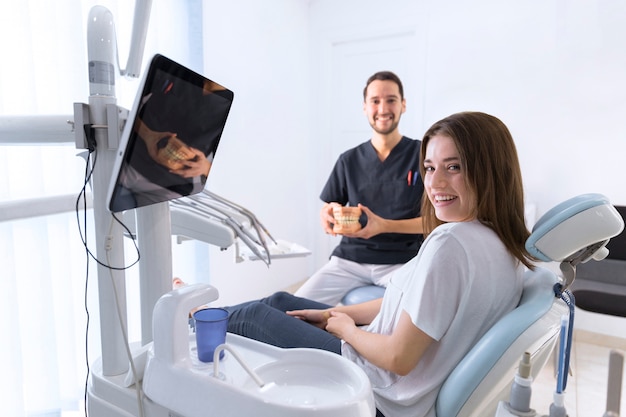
(346,220)
(173,152)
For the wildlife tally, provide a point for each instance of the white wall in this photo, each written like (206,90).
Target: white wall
(259,50)
(553,71)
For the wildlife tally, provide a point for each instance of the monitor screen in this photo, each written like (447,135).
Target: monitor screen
(171,136)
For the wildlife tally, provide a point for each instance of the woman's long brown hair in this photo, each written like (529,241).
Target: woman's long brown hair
(493,173)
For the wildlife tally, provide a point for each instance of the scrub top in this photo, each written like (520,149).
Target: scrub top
(392,189)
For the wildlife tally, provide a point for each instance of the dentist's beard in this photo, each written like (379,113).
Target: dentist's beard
(387,131)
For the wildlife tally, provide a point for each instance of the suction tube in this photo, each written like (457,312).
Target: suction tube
(557,408)
(138,40)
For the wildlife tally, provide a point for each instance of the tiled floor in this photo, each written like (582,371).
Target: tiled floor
(585,394)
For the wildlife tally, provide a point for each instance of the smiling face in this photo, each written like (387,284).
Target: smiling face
(383,106)
(445,181)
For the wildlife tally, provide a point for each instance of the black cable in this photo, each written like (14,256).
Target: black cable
(89,169)
(83,194)
(86,304)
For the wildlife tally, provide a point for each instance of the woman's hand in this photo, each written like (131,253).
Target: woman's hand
(336,323)
(340,324)
(318,318)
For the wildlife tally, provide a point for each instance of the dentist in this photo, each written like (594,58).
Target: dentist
(381,176)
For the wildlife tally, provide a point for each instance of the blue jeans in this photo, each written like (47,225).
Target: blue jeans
(265,320)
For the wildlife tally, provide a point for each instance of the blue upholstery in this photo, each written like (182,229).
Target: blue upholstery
(362,294)
(501,348)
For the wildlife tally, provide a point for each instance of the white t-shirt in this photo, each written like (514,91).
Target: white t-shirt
(460,283)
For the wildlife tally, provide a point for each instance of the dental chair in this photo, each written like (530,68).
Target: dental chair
(573,232)
(484,377)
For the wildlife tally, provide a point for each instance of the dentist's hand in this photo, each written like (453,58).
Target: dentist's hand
(151,138)
(327,219)
(195,167)
(375,225)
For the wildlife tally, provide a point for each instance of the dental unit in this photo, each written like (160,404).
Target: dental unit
(163,377)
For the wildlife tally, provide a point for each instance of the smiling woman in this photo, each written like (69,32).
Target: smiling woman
(467,274)
(478,148)
(445,181)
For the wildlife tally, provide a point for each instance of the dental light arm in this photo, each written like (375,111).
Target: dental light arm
(103,54)
(138,38)
(575,232)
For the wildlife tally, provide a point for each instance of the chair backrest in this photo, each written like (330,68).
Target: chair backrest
(484,376)
(574,231)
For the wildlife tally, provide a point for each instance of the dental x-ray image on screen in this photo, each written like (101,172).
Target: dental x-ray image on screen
(171,136)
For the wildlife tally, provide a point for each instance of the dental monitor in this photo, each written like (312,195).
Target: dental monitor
(170,138)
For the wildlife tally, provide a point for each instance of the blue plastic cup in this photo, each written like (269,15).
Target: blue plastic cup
(211,326)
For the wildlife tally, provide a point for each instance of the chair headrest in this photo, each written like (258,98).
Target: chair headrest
(575,231)
(574,225)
